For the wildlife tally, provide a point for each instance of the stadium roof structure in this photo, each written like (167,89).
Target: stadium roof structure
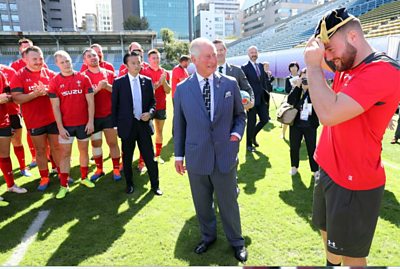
(74,38)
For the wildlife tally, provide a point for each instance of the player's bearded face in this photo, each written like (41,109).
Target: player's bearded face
(346,61)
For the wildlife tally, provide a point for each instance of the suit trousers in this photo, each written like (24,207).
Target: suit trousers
(295,136)
(224,186)
(252,128)
(139,133)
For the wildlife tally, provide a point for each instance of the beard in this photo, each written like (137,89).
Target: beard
(346,62)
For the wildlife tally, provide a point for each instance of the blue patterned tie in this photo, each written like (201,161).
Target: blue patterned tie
(207,95)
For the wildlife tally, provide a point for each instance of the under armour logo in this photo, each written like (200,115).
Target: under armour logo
(332,244)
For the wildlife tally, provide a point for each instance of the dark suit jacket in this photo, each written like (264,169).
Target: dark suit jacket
(256,83)
(296,100)
(122,104)
(237,73)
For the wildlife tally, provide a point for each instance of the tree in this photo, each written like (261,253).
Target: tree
(173,48)
(167,35)
(136,23)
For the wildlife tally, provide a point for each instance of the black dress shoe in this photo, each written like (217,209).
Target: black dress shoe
(251,149)
(240,253)
(203,246)
(129,189)
(255,143)
(157,192)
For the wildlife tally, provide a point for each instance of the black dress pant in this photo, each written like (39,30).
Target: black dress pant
(252,128)
(139,133)
(397,133)
(295,136)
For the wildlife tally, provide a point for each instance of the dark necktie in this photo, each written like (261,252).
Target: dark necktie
(257,70)
(207,95)
(220,68)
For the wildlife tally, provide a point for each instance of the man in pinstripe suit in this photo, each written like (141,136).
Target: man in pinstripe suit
(209,121)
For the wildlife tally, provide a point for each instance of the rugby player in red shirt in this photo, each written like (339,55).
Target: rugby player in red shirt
(103,64)
(71,97)
(29,88)
(16,125)
(134,46)
(160,78)
(179,72)
(5,140)
(102,80)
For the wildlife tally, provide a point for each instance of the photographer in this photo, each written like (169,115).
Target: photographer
(305,124)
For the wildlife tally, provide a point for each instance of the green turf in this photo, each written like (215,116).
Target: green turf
(104,226)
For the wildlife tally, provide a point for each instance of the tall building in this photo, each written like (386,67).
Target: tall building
(260,14)
(89,22)
(210,23)
(172,14)
(104,16)
(38,15)
(231,8)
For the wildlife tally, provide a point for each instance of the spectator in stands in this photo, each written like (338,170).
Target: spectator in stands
(71,96)
(257,78)
(305,124)
(16,125)
(102,63)
(160,78)
(136,47)
(5,140)
(294,72)
(355,113)
(29,88)
(102,81)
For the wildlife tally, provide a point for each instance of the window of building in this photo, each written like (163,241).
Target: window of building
(15,18)
(56,19)
(55,9)
(17,28)
(7,28)
(4,18)
(55,1)
(13,7)
(3,6)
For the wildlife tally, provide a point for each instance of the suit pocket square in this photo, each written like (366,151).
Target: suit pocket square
(228,94)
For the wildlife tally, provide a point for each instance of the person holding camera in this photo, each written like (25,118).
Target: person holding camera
(305,124)
(294,74)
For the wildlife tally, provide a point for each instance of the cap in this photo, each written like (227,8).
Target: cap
(331,22)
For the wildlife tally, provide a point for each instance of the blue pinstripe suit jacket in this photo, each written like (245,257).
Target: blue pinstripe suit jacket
(205,145)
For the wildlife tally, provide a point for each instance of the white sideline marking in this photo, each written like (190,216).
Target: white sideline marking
(28,238)
(391,165)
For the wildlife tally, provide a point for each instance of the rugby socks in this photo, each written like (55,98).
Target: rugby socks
(84,172)
(115,162)
(158,149)
(328,263)
(6,168)
(31,147)
(19,152)
(44,173)
(99,163)
(64,179)
(141,160)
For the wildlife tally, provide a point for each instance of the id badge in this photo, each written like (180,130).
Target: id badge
(304,114)
(309,108)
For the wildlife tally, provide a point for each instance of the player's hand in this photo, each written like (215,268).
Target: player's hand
(248,106)
(89,128)
(4,98)
(145,116)
(314,52)
(63,133)
(103,84)
(180,168)
(391,124)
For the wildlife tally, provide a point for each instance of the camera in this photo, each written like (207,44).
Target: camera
(304,81)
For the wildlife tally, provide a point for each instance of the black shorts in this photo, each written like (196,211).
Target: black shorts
(48,129)
(349,217)
(5,132)
(77,131)
(15,121)
(160,114)
(103,123)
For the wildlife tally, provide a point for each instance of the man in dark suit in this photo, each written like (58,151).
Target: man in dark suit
(209,122)
(257,78)
(133,107)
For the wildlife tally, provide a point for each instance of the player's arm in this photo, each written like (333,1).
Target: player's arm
(20,97)
(55,104)
(90,124)
(165,83)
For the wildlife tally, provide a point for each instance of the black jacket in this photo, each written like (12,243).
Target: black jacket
(296,100)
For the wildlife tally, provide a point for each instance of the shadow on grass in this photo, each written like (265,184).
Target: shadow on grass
(97,217)
(168,150)
(220,253)
(300,197)
(390,208)
(253,170)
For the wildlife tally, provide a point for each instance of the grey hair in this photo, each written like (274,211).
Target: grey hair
(252,47)
(61,53)
(195,46)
